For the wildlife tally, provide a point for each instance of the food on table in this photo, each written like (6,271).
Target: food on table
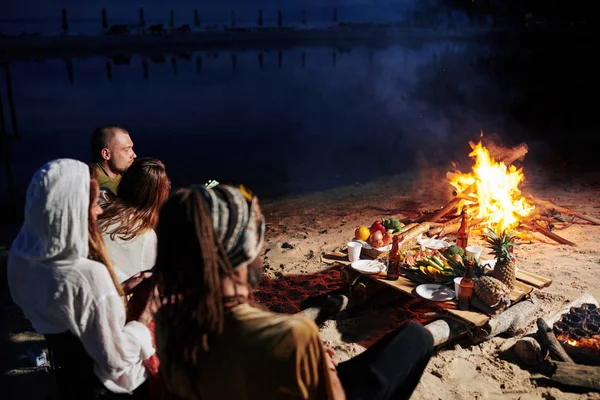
(378,244)
(392,224)
(492,292)
(377,226)
(387,238)
(454,249)
(362,233)
(502,246)
(375,236)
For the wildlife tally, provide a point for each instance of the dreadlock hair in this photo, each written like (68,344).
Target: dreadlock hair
(96,248)
(190,264)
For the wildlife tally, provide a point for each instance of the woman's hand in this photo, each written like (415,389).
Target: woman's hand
(152,306)
(135,280)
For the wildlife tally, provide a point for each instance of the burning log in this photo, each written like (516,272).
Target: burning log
(551,206)
(548,340)
(452,227)
(534,226)
(515,154)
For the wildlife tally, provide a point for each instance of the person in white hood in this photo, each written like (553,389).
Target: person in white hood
(69,298)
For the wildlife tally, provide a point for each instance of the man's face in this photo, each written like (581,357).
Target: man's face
(255,272)
(120,152)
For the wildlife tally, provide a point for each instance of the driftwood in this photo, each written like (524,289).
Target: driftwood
(551,206)
(333,304)
(510,321)
(516,153)
(534,226)
(551,319)
(583,376)
(548,340)
(529,351)
(445,330)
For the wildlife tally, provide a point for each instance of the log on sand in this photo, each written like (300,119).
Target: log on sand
(581,376)
(534,226)
(445,330)
(548,340)
(551,206)
(515,154)
(511,321)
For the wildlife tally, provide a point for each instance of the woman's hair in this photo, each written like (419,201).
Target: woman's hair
(96,248)
(191,262)
(143,189)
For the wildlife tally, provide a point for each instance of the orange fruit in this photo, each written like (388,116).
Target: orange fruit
(362,233)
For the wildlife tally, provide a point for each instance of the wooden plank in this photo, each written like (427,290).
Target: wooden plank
(537,281)
(407,286)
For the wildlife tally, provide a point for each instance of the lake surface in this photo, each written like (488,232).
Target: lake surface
(283,122)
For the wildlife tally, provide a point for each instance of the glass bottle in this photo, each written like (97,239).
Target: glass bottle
(466,288)
(393,272)
(462,237)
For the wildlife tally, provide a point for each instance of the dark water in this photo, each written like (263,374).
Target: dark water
(300,119)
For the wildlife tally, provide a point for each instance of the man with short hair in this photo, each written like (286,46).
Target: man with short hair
(112,154)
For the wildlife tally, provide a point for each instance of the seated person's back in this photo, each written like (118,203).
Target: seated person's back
(260,355)
(128,223)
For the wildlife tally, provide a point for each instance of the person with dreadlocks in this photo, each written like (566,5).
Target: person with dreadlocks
(214,342)
(61,278)
(128,223)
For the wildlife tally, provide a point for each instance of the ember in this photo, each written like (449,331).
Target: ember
(580,327)
(500,204)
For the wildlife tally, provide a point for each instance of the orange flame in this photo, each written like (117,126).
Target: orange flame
(499,198)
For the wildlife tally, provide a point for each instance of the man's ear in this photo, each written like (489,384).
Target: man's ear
(105,153)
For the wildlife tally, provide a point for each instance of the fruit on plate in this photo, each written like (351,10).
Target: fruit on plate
(392,224)
(362,233)
(377,226)
(387,238)
(375,236)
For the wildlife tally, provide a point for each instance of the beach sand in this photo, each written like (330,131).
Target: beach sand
(301,229)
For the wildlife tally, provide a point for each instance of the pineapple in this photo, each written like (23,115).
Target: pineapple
(492,292)
(502,246)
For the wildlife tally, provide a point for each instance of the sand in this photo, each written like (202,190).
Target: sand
(301,229)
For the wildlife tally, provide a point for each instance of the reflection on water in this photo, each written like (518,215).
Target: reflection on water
(281,121)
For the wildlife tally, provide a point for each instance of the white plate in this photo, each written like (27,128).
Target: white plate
(369,266)
(435,292)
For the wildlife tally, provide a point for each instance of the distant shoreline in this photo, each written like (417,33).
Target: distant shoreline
(61,46)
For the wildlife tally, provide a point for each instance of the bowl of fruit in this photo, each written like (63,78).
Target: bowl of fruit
(377,240)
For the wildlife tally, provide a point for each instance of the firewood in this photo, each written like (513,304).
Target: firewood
(515,154)
(511,321)
(551,206)
(581,376)
(534,226)
(548,340)
(529,351)
(445,330)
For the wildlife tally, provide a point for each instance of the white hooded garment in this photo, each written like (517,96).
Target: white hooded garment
(59,289)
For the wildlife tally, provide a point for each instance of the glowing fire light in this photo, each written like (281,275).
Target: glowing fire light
(572,342)
(499,198)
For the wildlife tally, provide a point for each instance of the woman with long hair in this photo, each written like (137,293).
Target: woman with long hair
(214,343)
(128,222)
(61,278)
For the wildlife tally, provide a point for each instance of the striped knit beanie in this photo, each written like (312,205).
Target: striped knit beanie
(237,221)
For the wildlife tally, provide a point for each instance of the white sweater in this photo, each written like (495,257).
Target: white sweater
(130,256)
(59,289)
